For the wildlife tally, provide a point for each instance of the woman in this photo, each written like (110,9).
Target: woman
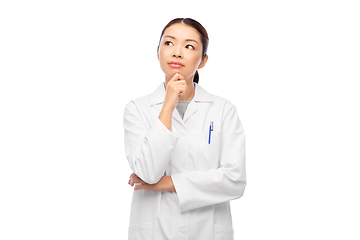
(190,162)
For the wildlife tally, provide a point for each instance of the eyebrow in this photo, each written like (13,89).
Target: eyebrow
(188,40)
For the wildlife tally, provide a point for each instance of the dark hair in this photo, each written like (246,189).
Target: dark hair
(203,34)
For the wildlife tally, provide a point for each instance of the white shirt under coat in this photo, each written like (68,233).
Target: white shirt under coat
(206,176)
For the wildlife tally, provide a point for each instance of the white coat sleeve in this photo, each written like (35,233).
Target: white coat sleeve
(148,148)
(197,189)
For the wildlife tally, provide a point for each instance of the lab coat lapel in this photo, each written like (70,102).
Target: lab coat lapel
(200,96)
(158,96)
(190,110)
(177,117)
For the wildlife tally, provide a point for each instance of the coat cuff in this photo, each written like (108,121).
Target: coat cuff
(182,191)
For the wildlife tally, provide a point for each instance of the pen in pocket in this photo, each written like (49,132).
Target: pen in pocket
(211,128)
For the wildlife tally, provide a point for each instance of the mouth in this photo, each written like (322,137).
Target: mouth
(174,64)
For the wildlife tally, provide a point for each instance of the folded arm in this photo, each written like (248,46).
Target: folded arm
(148,149)
(197,189)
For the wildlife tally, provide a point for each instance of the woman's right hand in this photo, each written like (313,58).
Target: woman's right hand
(174,89)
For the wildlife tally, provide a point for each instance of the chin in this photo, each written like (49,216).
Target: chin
(170,72)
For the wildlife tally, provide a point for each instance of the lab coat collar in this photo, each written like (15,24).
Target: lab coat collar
(201,95)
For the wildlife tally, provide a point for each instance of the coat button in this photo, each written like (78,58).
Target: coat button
(184,231)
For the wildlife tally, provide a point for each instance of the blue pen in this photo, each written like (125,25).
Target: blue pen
(211,128)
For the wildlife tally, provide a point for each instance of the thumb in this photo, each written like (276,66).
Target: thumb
(139,186)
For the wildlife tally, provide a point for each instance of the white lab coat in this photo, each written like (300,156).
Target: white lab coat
(206,176)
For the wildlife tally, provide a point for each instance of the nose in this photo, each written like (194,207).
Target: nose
(177,53)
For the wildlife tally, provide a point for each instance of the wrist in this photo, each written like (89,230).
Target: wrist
(168,108)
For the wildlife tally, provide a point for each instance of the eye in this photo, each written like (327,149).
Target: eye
(169,43)
(189,46)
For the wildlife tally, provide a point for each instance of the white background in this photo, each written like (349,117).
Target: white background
(67,69)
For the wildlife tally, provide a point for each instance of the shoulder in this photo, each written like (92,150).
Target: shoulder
(146,101)
(140,101)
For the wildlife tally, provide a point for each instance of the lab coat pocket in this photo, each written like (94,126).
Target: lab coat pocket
(223,233)
(140,231)
(210,151)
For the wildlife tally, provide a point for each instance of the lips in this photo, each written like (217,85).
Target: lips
(175,64)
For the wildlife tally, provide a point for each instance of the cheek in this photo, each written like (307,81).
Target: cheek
(196,60)
(162,57)
(164,50)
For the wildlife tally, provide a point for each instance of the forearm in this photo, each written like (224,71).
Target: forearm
(165,117)
(165,184)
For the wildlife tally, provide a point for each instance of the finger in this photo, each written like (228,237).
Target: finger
(176,84)
(182,90)
(180,85)
(136,179)
(174,78)
(181,82)
(142,187)
(130,178)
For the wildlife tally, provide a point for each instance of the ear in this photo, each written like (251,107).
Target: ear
(203,62)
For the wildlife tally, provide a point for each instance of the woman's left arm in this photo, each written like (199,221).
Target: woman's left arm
(197,189)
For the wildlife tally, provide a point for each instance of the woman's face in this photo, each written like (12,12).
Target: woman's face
(180,51)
